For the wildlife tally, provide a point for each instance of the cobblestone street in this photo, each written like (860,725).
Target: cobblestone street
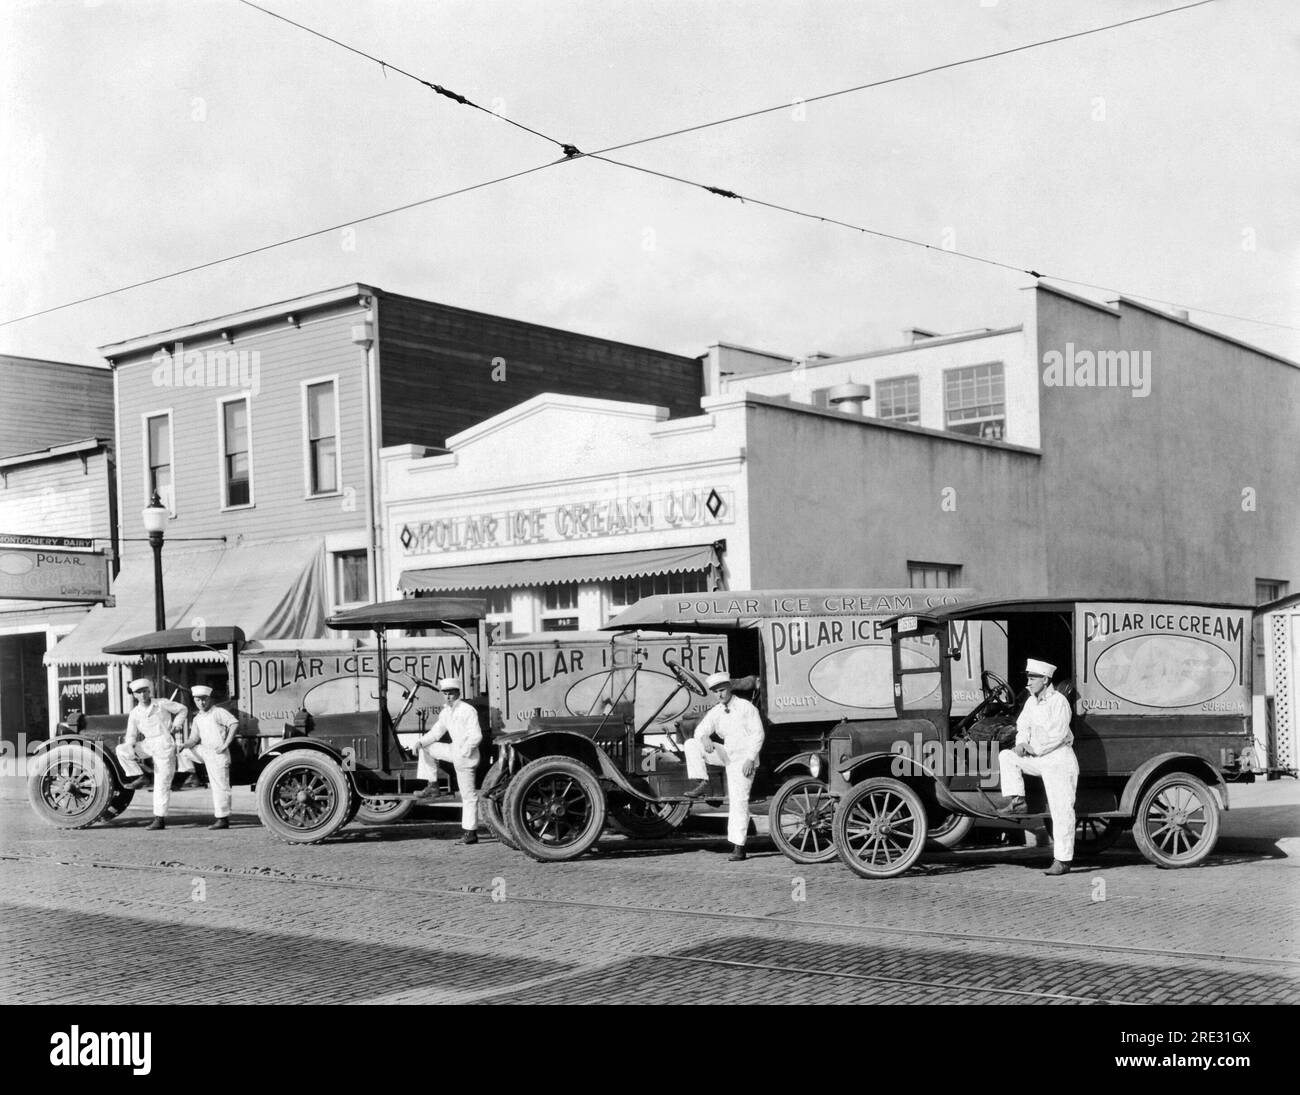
(406,914)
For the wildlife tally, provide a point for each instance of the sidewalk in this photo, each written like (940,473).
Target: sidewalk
(1262,816)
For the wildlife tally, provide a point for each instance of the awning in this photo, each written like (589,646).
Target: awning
(272,589)
(566,568)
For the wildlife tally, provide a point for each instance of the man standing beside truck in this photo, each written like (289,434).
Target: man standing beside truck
(735,722)
(1043,740)
(149,730)
(212,731)
(459,721)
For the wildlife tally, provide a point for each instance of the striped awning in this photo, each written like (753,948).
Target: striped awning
(517,573)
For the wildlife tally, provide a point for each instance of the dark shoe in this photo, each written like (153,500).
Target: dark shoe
(737,853)
(158,823)
(699,790)
(470,837)
(1015,808)
(220,823)
(425,792)
(134,783)
(1058,867)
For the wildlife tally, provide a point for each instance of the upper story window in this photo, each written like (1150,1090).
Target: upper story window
(500,611)
(974,400)
(899,399)
(158,458)
(351,577)
(933,575)
(322,422)
(236,453)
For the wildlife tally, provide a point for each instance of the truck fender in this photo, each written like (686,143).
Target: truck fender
(292,744)
(582,748)
(804,761)
(897,765)
(93,744)
(1158,765)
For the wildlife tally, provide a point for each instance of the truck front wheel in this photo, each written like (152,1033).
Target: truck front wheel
(304,797)
(555,809)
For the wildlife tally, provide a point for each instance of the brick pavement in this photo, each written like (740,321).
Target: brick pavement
(636,922)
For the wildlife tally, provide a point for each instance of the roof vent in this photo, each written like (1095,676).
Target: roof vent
(849,398)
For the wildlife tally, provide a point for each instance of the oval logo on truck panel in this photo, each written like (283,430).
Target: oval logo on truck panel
(14,564)
(863,676)
(652,688)
(1165,670)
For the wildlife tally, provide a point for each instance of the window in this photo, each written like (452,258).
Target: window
(623,592)
(899,399)
(933,575)
(83,688)
(974,401)
(351,577)
(236,453)
(499,612)
(322,438)
(158,458)
(560,607)
(1269,589)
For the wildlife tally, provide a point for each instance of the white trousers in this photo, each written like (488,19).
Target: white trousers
(465,782)
(163,753)
(1059,770)
(738,784)
(218,769)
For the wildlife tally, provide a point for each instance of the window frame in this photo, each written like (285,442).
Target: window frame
(952,571)
(337,492)
(223,481)
(336,585)
(145,418)
(947,408)
(913,378)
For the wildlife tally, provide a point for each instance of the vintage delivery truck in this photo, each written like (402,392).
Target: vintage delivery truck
(1160,695)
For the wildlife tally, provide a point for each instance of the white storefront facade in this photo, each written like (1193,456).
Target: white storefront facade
(564,510)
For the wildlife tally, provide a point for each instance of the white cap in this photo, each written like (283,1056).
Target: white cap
(716,679)
(448,683)
(1035,668)
(139,683)
(201,690)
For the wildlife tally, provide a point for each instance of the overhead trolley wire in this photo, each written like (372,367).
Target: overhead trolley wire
(573,153)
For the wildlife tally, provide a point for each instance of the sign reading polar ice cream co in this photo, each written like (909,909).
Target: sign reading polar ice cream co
(1162,659)
(52,574)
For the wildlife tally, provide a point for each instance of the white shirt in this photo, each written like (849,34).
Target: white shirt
(737,724)
(1044,722)
(460,720)
(216,728)
(157,720)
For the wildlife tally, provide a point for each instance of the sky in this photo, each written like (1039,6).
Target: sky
(1158,160)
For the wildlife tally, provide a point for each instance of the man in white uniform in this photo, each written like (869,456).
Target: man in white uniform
(1043,741)
(212,731)
(735,722)
(149,734)
(459,721)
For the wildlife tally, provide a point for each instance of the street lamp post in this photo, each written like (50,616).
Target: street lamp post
(154,516)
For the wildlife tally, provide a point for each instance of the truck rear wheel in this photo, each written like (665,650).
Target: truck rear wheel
(384,811)
(304,797)
(555,809)
(642,820)
(880,828)
(1177,822)
(69,786)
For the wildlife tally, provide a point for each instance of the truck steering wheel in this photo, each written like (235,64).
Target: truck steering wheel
(686,678)
(996,690)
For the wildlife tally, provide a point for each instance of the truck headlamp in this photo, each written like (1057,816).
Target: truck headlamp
(815,767)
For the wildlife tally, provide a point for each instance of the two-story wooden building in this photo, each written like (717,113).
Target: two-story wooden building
(260,432)
(57,489)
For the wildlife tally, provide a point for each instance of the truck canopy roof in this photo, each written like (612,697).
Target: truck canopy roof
(1061,604)
(178,640)
(411,612)
(727,610)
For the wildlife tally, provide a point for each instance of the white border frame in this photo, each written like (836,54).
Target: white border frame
(223,505)
(306,440)
(144,455)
